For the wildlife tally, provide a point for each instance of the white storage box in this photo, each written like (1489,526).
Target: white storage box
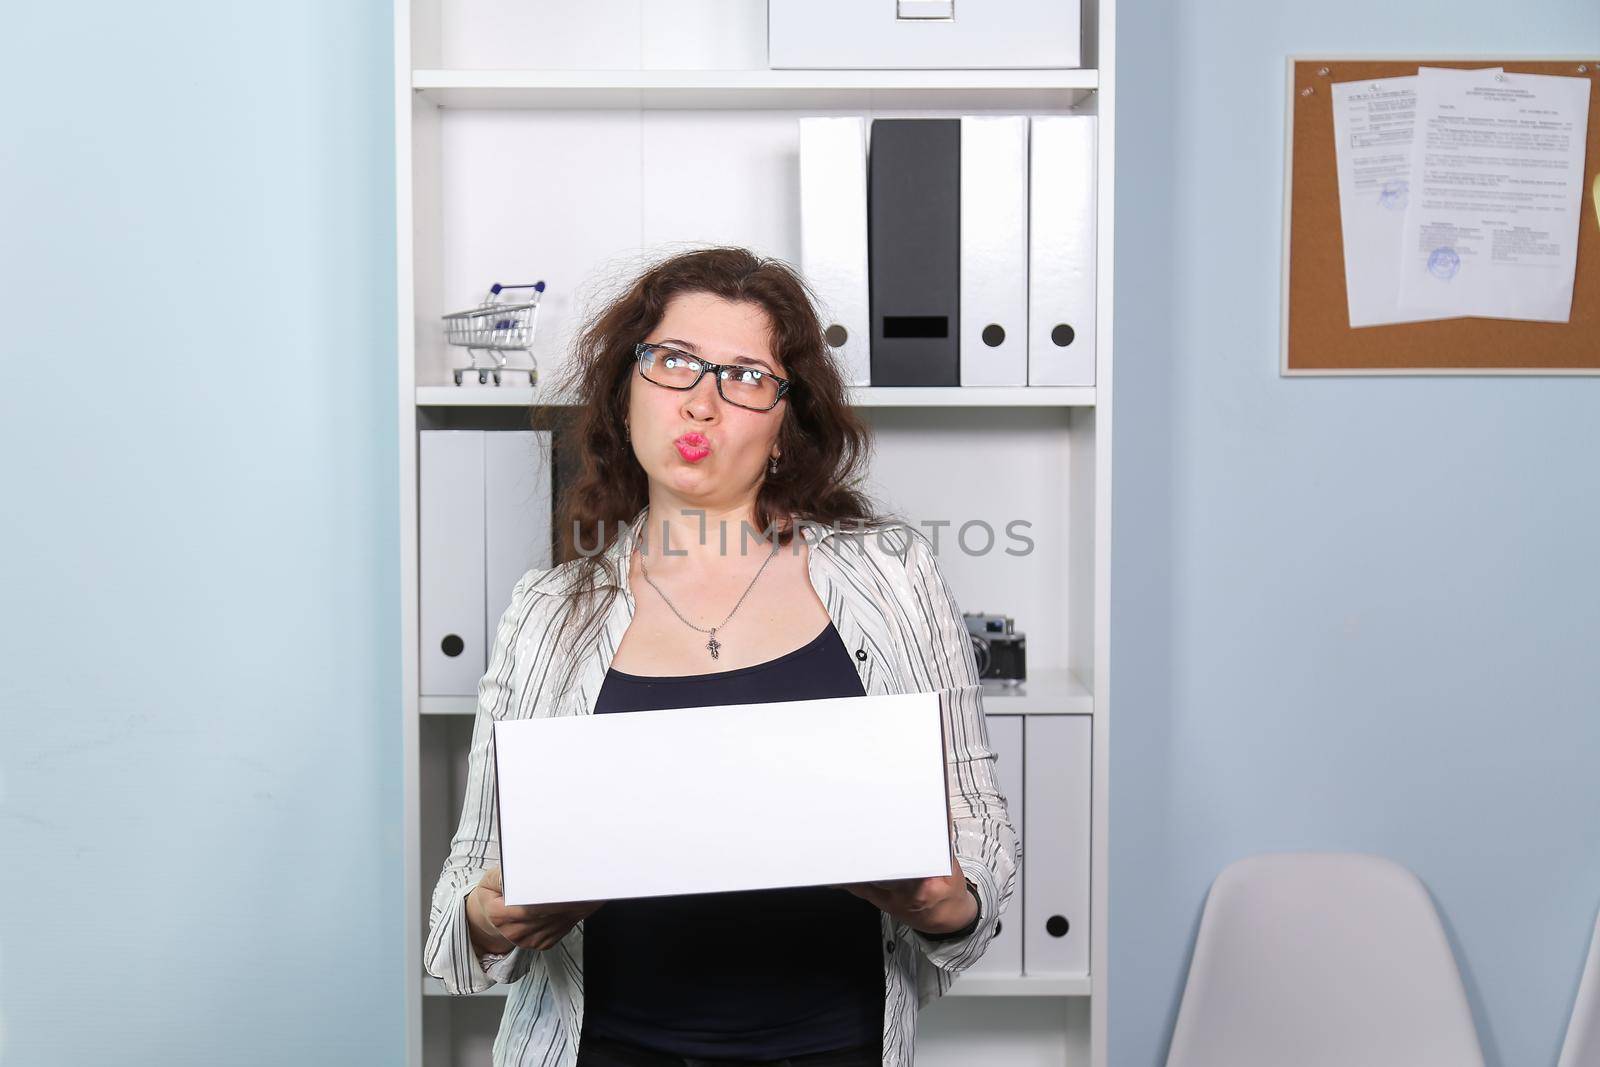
(722,798)
(950,34)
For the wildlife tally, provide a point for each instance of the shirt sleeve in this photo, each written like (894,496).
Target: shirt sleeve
(987,846)
(448,953)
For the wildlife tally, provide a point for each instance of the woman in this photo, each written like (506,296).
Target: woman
(709,407)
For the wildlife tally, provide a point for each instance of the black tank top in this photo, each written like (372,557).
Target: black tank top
(757,974)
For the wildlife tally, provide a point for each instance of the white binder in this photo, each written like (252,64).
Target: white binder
(1055,940)
(516,508)
(450,547)
(1003,957)
(833,236)
(1061,250)
(994,250)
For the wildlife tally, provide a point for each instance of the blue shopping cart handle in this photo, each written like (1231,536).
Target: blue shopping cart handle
(496,287)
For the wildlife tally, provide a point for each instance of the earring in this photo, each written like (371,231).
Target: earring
(627,434)
(772,465)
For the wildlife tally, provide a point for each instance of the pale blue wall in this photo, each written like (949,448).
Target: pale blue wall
(1347,614)
(200,846)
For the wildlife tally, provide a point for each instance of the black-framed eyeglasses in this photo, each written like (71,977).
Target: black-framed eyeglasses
(755,388)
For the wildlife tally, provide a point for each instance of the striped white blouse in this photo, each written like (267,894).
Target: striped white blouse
(887,597)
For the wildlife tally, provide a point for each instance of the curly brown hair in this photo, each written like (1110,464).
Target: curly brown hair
(825,445)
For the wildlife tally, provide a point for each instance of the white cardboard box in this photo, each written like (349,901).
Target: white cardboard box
(722,798)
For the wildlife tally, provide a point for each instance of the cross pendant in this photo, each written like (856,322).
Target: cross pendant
(713,644)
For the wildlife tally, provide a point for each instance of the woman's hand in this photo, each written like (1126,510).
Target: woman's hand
(930,905)
(498,927)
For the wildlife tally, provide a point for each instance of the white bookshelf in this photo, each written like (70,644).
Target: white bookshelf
(522,132)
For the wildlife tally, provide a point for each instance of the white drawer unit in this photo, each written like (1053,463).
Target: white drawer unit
(948,34)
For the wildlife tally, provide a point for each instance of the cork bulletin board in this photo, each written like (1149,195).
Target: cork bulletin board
(1317,338)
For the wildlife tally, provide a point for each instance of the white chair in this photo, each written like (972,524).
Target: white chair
(1582,1048)
(1322,959)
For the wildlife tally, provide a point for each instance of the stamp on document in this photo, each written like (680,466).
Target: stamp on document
(1443,263)
(1394,194)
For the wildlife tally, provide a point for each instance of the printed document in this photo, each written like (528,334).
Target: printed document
(1373,121)
(1495,192)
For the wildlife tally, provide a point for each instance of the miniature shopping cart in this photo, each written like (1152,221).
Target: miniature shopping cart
(496,328)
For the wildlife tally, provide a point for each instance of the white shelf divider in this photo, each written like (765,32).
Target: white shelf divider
(738,89)
(881,397)
(1046,692)
(975,985)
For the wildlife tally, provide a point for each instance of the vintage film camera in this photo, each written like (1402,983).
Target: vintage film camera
(1001,653)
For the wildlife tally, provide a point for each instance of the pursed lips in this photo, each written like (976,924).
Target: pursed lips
(693,446)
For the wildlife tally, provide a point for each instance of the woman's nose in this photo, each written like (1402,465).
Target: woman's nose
(702,401)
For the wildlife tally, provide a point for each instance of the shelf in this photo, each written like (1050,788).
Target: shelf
(866,397)
(974,396)
(483,396)
(989,985)
(1048,692)
(967,985)
(720,89)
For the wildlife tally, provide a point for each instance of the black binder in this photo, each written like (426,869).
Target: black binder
(914,251)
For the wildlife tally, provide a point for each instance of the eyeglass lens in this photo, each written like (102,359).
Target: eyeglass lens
(749,387)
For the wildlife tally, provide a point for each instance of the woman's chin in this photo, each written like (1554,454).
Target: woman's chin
(691,478)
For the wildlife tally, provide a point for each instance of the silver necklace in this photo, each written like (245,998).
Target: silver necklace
(711,643)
